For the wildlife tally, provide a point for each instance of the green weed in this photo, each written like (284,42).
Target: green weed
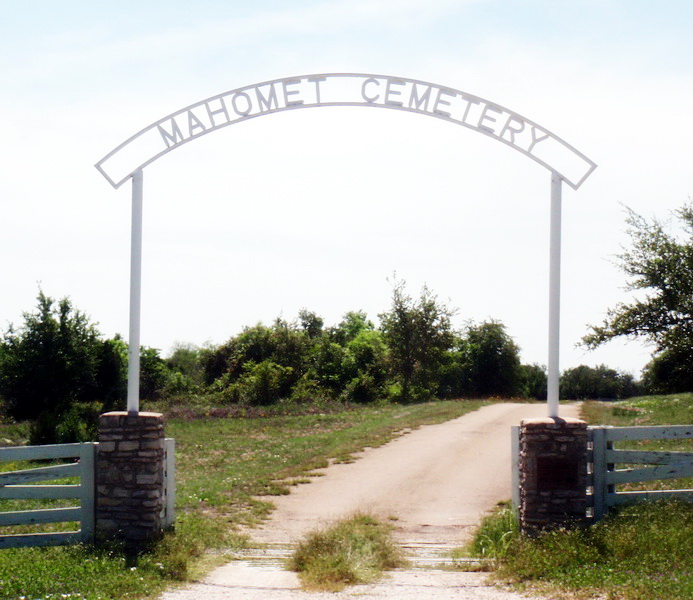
(496,534)
(353,551)
(640,553)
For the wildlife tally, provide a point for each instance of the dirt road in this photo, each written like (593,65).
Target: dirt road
(434,484)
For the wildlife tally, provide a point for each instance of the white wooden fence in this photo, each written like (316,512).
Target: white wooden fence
(604,457)
(13,485)
(16,485)
(660,465)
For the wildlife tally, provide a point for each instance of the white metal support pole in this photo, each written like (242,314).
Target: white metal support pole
(554,295)
(135,295)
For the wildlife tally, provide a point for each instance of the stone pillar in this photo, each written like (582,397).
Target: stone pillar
(130,477)
(553,473)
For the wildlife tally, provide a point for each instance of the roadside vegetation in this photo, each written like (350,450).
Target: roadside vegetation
(639,552)
(228,469)
(356,550)
(58,373)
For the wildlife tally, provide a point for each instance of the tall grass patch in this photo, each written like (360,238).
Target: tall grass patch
(356,550)
(640,553)
(496,534)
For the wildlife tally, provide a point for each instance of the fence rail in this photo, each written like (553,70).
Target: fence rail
(642,465)
(16,485)
(13,486)
(662,465)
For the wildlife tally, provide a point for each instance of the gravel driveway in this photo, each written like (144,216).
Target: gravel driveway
(434,484)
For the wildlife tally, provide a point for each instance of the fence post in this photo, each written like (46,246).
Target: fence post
(598,472)
(87,459)
(610,487)
(170,484)
(515,468)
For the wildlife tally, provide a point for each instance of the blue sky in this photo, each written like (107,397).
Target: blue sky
(318,208)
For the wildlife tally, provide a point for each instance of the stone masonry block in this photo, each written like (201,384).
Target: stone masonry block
(553,473)
(130,476)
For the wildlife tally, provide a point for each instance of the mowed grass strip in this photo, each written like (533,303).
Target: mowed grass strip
(353,551)
(223,466)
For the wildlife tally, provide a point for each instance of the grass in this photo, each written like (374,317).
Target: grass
(640,552)
(496,533)
(227,471)
(353,551)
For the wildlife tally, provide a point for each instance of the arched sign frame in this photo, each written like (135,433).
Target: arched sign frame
(127,160)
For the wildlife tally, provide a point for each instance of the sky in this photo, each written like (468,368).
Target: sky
(324,208)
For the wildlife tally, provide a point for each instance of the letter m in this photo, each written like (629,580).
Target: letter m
(416,102)
(171,139)
(266,103)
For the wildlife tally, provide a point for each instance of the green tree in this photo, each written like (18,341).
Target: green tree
(592,383)
(365,365)
(490,361)
(51,361)
(534,381)
(310,323)
(418,333)
(659,265)
(353,323)
(154,374)
(669,371)
(112,373)
(186,369)
(284,345)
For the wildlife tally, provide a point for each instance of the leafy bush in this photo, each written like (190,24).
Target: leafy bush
(79,423)
(363,388)
(186,370)
(154,374)
(669,371)
(261,384)
(591,383)
(307,390)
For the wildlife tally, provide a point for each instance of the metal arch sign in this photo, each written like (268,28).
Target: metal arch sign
(346,89)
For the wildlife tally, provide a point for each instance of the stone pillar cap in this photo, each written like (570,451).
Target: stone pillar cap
(124,413)
(542,421)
